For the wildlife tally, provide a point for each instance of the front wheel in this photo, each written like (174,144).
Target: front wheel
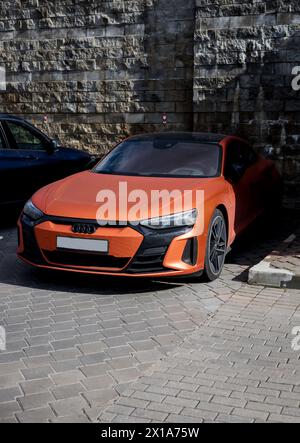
(216,246)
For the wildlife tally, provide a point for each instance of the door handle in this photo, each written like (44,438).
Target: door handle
(31,157)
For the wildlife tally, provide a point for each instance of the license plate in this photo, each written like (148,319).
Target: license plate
(82,244)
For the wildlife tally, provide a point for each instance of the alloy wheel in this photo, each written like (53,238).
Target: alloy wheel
(217,245)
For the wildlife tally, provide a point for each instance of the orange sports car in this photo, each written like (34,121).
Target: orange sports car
(166,204)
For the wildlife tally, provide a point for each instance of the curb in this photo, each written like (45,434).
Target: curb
(264,274)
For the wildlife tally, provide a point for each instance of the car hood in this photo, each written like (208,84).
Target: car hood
(76,196)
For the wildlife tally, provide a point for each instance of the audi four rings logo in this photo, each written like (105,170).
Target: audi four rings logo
(83,229)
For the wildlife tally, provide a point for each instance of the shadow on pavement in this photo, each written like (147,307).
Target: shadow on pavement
(257,242)
(58,281)
(263,237)
(9,216)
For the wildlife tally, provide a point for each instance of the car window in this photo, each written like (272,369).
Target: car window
(2,144)
(21,137)
(239,157)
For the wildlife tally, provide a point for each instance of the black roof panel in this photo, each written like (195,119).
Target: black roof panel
(14,117)
(193,136)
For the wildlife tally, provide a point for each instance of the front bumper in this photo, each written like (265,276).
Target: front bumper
(133,250)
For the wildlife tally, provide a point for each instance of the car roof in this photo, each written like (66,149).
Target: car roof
(203,137)
(21,119)
(11,116)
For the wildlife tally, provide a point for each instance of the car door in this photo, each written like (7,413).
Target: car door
(15,172)
(37,161)
(240,171)
(7,175)
(23,159)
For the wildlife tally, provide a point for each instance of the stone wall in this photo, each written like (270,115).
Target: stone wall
(104,69)
(100,70)
(244,55)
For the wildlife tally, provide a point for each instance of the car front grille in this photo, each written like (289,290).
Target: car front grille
(83,259)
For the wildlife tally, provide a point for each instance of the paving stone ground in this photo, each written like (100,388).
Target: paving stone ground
(238,366)
(289,255)
(281,268)
(84,349)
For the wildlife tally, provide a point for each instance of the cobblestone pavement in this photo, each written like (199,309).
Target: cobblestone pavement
(88,348)
(239,366)
(281,267)
(288,257)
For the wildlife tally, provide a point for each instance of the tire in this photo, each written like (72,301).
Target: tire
(216,246)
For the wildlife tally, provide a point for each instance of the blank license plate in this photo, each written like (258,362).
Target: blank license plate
(82,244)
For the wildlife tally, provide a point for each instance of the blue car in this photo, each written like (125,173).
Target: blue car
(29,159)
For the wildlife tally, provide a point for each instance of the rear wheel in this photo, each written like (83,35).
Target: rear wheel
(216,246)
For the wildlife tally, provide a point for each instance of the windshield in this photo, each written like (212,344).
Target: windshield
(163,158)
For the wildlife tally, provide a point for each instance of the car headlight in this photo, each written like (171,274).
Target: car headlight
(187,218)
(32,211)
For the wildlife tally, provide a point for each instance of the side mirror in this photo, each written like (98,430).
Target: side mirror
(268,151)
(53,145)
